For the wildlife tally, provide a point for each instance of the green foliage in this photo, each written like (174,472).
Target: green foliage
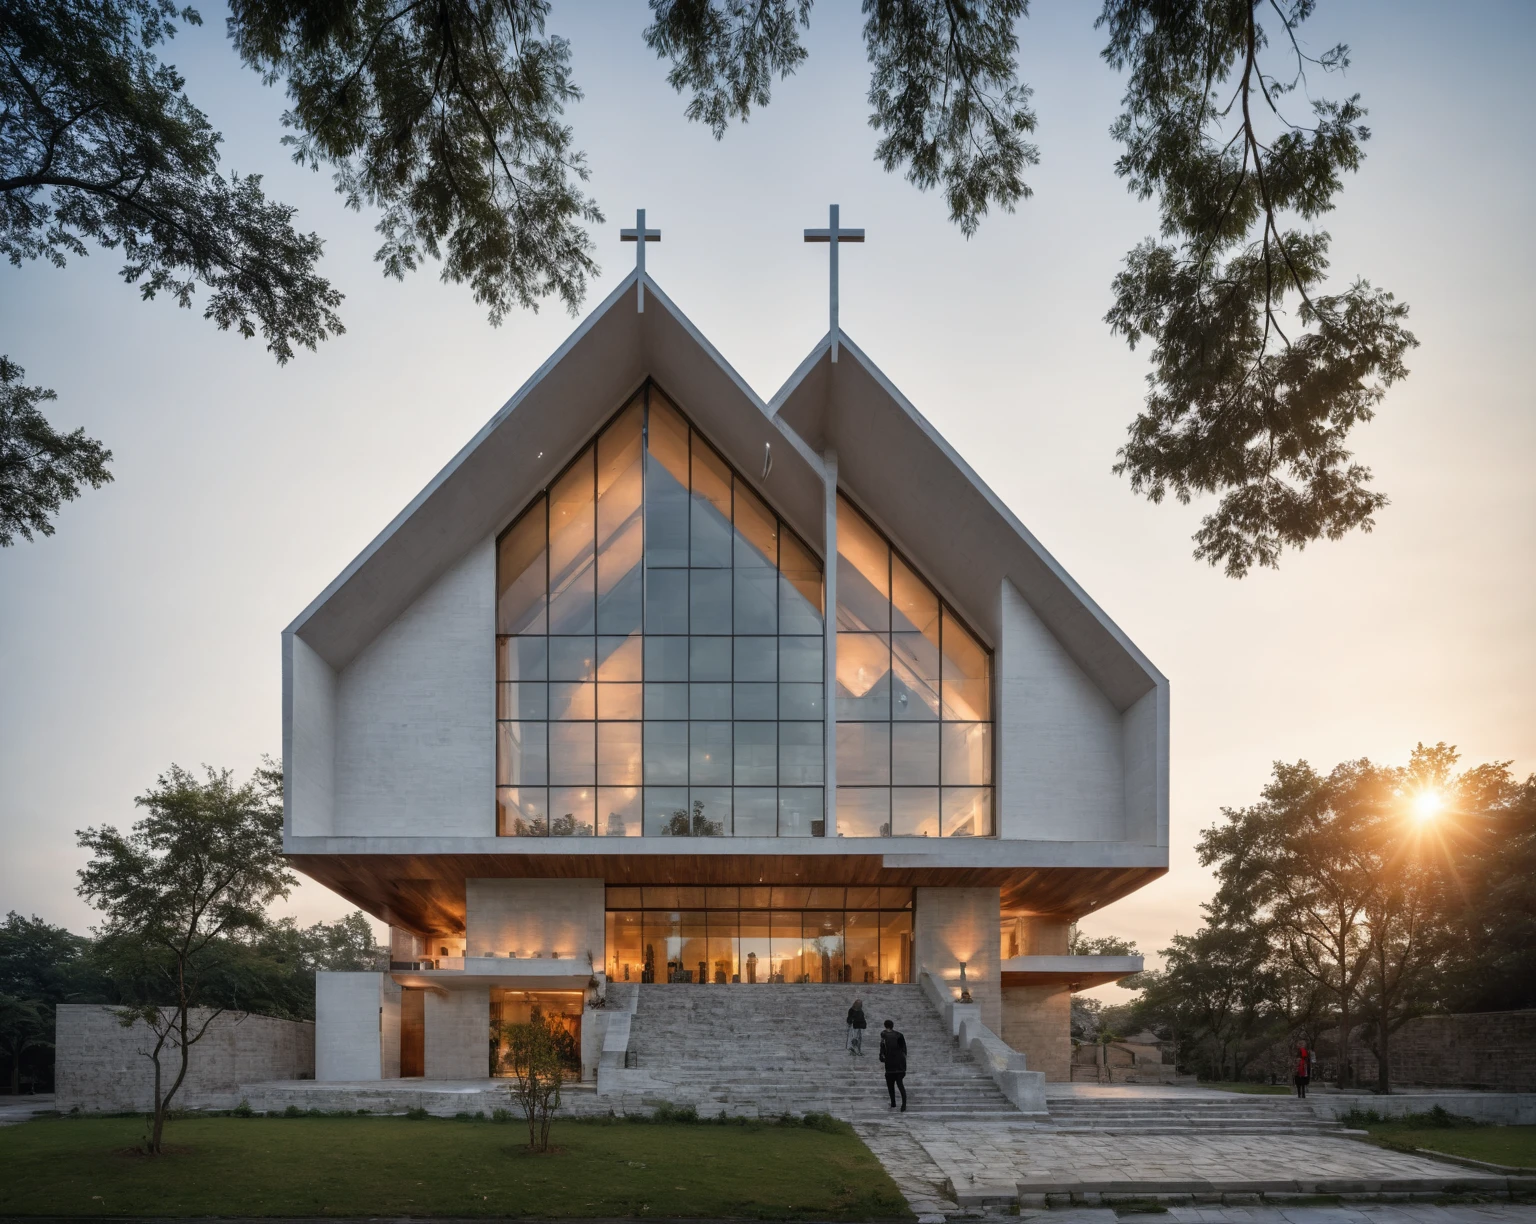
(1258,374)
(101,145)
(681,824)
(40,468)
(447,118)
(417,1114)
(537,1058)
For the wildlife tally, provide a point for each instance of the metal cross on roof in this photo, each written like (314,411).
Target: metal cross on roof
(640,236)
(832,235)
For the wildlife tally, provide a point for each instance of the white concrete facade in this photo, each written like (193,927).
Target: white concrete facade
(357,1026)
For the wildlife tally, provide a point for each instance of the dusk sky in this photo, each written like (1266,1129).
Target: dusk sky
(146,631)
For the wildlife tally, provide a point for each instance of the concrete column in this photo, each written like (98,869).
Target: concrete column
(961,924)
(458,1038)
(1037,1021)
(829,644)
(349,1026)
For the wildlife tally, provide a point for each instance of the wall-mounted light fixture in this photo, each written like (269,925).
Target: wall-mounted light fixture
(965,990)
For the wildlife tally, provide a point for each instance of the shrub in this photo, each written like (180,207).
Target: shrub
(416,1113)
(536,1053)
(243,1110)
(668,1112)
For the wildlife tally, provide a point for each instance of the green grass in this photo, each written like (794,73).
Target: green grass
(1251,1089)
(359,1166)
(1513,1146)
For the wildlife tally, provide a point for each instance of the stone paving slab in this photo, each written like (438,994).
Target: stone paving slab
(949,1166)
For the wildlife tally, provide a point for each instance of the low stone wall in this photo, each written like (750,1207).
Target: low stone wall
(102,1067)
(1493,1051)
(1499,1108)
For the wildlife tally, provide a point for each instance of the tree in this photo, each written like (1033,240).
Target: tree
(532,1052)
(41,966)
(199,868)
(681,824)
(40,468)
(99,144)
(25,1025)
(1258,374)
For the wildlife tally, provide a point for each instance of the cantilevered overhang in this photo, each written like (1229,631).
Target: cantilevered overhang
(535,434)
(1074,972)
(418,883)
(930,502)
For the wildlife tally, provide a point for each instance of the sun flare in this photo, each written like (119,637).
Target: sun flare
(1427,804)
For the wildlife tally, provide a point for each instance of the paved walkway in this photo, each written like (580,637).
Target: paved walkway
(1136,1092)
(1363,1213)
(14,1109)
(944,1167)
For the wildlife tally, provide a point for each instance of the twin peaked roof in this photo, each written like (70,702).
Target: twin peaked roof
(889,458)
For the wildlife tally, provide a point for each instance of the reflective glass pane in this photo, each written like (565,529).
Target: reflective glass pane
(914,606)
(756,812)
(915,754)
(800,587)
(800,812)
(822,933)
(572,811)
(709,608)
(967,693)
(572,541)
(862,943)
(863,573)
(572,754)
(722,947)
(800,753)
(666,753)
(756,761)
(666,601)
(522,701)
(666,486)
(620,528)
(864,754)
(967,754)
(662,804)
(863,676)
(756,959)
(709,658)
(524,658)
(666,658)
(666,701)
(619,701)
(915,811)
(709,753)
(572,659)
(757,531)
(522,811)
(718,898)
(756,897)
(755,604)
(618,754)
(520,574)
(618,658)
(757,658)
(967,811)
(863,898)
(799,701)
(784,953)
(896,947)
(618,811)
(800,659)
(756,701)
(624,946)
(915,668)
(572,700)
(710,811)
(711,508)
(522,754)
(709,701)
(863,811)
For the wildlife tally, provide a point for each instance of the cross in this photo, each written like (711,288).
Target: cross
(640,236)
(833,235)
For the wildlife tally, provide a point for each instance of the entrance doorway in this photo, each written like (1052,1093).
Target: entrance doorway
(413,1033)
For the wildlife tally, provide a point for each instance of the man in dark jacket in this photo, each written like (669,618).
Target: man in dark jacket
(893,1053)
(856,1026)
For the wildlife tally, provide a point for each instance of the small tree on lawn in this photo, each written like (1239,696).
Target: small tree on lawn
(533,1054)
(200,867)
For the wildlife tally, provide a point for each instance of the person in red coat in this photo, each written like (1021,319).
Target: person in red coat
(1303,1071)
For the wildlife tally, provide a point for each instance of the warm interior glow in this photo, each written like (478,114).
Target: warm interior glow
(1427,804)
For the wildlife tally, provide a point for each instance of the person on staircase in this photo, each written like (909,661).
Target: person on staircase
(893,1053)
(856,1026)
(1303,1071)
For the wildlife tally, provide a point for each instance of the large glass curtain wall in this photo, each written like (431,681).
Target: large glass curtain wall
(914,699)
(659,648)
(710,936)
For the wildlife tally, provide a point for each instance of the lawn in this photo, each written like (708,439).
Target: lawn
(1500,1145)
(360,1166)
(1251,1089)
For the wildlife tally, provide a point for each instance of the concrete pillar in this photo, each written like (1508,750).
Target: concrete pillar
(1037,1021)
(458,1038)
(350,1028)
(951,925)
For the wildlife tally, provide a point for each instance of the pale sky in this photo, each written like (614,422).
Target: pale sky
(146,631)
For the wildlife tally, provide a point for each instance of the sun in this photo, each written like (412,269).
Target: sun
(1427,805)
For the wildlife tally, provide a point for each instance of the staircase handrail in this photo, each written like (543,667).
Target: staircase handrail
(1006,1066)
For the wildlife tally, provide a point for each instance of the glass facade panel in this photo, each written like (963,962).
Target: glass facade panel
(618,811)
(913,704)
(521,575)
(620,527)
(572,811)
(572,548)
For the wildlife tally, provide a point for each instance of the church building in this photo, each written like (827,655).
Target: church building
(658,687)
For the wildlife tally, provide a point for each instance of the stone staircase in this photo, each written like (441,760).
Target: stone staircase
(770,1049)
(1167,1115)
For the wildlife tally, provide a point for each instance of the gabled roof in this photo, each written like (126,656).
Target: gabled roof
(890,459)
